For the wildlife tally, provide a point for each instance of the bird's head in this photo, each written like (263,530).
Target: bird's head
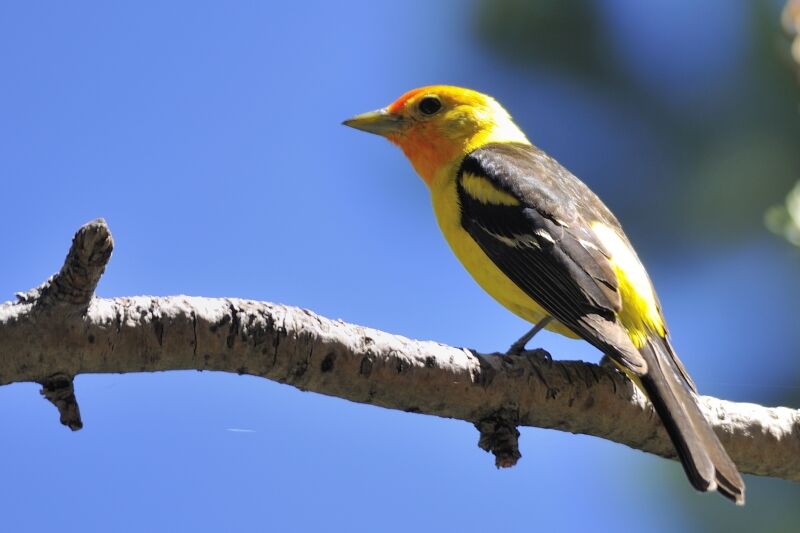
(436,126)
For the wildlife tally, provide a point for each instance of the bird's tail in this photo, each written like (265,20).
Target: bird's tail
(705,461)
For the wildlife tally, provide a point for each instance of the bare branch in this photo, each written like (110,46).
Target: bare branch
(297,347)
(85,263)
(67,294)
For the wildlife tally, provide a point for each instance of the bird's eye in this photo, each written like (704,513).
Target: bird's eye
(430,105)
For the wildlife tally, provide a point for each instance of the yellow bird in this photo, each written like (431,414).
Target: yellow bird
(546,247)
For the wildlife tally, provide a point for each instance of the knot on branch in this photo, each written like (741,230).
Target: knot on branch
(77,280)
(500,436)
(59,390)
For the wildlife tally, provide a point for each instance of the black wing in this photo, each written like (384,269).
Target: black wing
(532,218)
(540,237)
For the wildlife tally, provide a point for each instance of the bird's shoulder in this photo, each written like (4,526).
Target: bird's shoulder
(536,221)
(523,173)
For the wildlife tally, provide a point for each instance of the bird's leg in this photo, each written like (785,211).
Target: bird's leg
(519,347)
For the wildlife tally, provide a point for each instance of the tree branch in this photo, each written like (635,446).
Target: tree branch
(55,332)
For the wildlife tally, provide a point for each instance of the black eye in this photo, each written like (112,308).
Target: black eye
(430,105)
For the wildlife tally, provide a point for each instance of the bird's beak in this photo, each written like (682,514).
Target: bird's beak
(380,122)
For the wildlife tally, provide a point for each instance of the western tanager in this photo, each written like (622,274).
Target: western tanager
(546,247)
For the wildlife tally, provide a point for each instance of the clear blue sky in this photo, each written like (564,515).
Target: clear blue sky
(208,135)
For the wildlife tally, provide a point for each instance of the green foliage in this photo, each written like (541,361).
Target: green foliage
(552,32)
(785,219)
(728,163)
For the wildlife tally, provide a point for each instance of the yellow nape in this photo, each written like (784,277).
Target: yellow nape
(640,313)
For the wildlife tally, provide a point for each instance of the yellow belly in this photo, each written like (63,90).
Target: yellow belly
(478,264)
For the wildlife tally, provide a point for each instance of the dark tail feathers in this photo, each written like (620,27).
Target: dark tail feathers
(705,461)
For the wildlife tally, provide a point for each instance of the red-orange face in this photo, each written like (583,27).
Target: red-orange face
(432,125)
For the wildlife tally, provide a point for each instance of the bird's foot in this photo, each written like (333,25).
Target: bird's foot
(518,348)
(539,355)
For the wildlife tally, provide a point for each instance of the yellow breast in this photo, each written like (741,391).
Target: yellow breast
(477,263)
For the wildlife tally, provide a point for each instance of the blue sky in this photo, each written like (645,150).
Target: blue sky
(208,136)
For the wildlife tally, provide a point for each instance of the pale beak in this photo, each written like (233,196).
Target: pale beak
(380,122)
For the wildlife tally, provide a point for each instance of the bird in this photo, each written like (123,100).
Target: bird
(542,244)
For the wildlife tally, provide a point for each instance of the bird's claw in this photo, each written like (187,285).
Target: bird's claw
(518,348)
(537,354)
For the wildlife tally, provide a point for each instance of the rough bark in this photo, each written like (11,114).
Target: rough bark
(57,331)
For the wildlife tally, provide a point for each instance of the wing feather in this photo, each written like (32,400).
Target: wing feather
(544,245)
(535,220)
